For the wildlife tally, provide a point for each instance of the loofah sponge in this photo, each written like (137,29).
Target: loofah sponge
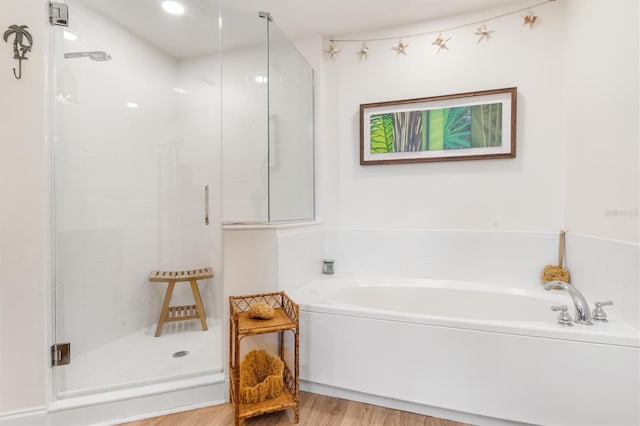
(557,272)
(261,311)
(261,377)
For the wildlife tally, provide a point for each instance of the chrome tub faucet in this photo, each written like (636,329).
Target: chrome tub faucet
(583,314)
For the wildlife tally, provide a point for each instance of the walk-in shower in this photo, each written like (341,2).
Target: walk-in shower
(136,142)
(137,147)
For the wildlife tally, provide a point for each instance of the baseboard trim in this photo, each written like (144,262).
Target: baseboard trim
(27,417)
(396,404)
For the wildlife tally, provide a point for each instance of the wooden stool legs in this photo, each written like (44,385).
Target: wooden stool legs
(164,312)
(199,305)
(181,313)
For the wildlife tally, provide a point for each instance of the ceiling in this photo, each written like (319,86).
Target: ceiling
(337,17)
(193,33)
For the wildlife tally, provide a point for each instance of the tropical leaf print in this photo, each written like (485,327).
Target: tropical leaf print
(464,127)
(436,130)
(457,128)
(407,131)
(381,133)
(486,125)
(425,131)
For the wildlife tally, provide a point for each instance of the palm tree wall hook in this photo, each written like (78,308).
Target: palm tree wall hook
(22,44)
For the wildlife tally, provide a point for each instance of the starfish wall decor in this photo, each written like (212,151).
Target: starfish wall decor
(332,51)
(441,42)
(400,48)
(483,32)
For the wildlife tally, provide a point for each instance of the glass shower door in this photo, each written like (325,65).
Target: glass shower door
(137,188)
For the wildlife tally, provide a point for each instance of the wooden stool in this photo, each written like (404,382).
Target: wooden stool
(181,313)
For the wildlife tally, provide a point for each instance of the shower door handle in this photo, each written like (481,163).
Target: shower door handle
(206,204)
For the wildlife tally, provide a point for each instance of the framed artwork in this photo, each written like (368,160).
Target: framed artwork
(464,126)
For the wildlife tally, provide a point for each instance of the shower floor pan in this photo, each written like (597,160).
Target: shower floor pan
(139,358)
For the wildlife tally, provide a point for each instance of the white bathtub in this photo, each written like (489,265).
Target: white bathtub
(468,351)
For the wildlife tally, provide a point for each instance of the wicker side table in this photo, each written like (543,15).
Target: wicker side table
(241,326)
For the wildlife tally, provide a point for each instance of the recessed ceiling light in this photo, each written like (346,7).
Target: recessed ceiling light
(261,78)
(132,105)
(173,7)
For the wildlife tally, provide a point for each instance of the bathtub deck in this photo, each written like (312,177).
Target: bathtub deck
(314,410)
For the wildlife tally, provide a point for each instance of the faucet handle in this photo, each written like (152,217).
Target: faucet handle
(563,317)
(598,313)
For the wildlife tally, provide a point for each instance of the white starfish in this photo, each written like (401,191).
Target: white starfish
(441,42)
(400,48)
(364,52)
(332,51)
(483,32)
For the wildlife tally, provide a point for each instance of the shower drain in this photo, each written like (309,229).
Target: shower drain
(180,354)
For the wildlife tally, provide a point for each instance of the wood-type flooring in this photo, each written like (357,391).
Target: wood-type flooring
(315,410)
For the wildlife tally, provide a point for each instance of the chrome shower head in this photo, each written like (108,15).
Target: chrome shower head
(96,55)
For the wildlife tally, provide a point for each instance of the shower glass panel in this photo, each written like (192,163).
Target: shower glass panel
(245,109)
(268,116)
(136,141)
(291,148)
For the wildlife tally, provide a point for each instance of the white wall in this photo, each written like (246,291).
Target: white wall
(525,193)
(575,169)
(24,214)
(603,182)
(266,258)
(377,225)
(603,155)
(572,170)
(480,256)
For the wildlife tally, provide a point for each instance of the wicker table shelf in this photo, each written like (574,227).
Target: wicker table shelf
(240,326)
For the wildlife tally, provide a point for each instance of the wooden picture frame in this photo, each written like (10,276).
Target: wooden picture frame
(465,126)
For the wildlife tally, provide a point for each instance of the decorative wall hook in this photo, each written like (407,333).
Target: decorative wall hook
(22,44)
